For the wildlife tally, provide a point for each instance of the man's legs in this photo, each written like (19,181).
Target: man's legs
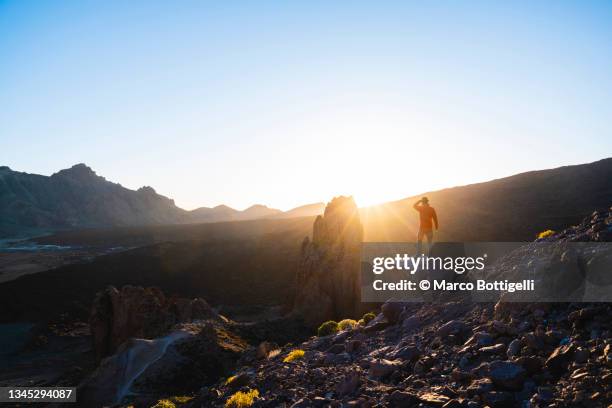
(429,235)
(419,242)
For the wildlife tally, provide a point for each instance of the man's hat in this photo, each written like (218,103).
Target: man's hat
(425,199)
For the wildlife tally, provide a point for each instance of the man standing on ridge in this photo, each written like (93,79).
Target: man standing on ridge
(426,215)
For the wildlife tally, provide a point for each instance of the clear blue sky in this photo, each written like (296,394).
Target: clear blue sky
(286,103)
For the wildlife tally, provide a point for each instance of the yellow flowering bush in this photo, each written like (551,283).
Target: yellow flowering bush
(242,399)
(545,234)
(294,355)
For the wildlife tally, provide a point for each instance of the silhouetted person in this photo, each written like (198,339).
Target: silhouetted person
(427,214)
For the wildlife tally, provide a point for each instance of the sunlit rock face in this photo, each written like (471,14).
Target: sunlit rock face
(328,280)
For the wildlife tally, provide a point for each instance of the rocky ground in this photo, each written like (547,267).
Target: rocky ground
(457,354)
(452,355)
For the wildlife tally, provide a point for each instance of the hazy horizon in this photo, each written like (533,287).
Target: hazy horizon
(324,201)
(290,104)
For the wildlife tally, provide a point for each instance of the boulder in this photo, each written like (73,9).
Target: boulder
(406,353)
(401,399)
(559,359)
(480,386)
(514,348)
(392,310)
(452,327)
(264,349)
(433,398)
(382,367)
(507,375)
(495,349)
(531,364)
(481,339)
(349,384)
(532,341)
(411,323)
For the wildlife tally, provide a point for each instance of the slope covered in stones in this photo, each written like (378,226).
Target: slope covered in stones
(455,354)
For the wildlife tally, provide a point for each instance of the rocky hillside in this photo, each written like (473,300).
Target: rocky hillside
(454,354)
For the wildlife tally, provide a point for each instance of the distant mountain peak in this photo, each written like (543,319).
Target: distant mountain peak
(223,207)
(78,171)
(81,168)
(147,190)
(257,207)
(259,211)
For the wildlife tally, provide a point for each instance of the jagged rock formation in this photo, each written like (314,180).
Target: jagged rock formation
(328,278)
(133,311)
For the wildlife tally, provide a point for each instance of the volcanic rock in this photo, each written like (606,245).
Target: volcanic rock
(452,327)
(507,375)
(328,278)
(392,310)
(133,311)
(558,361)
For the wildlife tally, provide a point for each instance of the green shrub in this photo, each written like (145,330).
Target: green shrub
(242,399)
(368,317)
(347,324)
(327,328)
(545,234)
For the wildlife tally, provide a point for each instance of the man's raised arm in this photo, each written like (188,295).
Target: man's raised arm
(416,205)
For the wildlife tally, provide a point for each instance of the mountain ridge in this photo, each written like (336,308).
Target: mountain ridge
(79,198)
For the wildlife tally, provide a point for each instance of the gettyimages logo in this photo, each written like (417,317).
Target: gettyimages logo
(482,272)
(411,264)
